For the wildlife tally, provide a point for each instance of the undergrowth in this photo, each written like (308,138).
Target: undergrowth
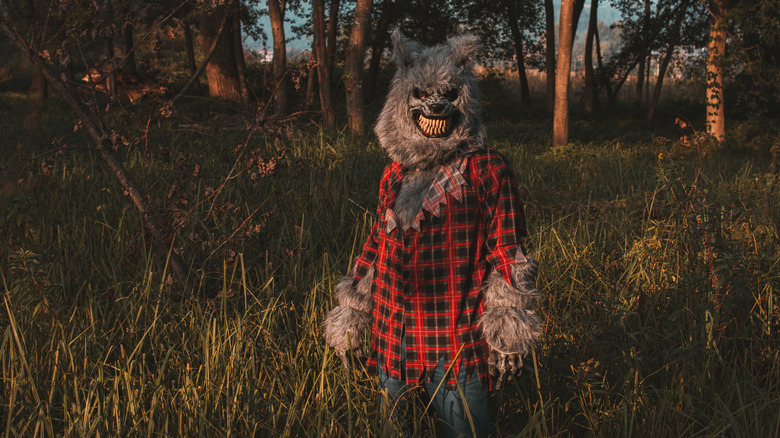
(659,260)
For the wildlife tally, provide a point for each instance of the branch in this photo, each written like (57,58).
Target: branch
(101,139)
(205,62)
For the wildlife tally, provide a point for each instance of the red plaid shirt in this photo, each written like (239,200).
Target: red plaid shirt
(427,280)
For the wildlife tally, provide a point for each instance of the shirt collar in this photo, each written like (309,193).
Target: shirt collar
(449,180)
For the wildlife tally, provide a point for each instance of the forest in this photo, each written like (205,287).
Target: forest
(183,182)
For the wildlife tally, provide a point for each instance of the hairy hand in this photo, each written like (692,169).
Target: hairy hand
(504,365)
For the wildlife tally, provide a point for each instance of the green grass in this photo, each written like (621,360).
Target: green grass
(660,272)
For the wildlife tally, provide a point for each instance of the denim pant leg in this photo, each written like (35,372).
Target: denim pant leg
(397,397)
(450,406)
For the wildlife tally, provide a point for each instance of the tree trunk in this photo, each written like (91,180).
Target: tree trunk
(579,5)
(238,50)
(561,113)
(356,50)
(279,62)
(517,37)
(111,78)
(549,13)
(675,36)
(323,71)
(602,78)
(311,80)
(716,48)
(333,30)
(221,70)
(131,67)
(191,64)
(380,38)
(590,80)
(640,72)
(665,62)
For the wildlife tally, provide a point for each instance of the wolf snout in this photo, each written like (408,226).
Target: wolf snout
(437,108)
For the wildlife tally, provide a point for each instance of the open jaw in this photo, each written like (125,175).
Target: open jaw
(434,126)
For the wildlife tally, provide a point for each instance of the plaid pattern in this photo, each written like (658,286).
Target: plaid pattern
(427,279)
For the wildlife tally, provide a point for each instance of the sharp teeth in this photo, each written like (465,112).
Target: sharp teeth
(432,126)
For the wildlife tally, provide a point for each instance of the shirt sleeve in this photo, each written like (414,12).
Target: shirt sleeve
(503,217)
(367,257)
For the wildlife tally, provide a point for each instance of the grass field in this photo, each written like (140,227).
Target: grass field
(660,271)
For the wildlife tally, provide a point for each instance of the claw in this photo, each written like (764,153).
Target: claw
(505,366)
(492,362)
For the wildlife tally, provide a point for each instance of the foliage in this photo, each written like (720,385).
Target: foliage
(659,265)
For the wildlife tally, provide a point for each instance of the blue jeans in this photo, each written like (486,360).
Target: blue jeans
(449,404)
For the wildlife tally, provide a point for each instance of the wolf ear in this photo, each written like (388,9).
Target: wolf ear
(404,50)
(464,50)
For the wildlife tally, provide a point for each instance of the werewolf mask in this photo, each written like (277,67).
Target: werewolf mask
(432,112)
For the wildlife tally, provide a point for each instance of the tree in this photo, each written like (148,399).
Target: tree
(323,69)
(279,61)
(356,49)
(590,75)
(561,112)
(549,16)
(377,48)
(529,12)
(642,56)
(674,38)
(716,50)
(222,68)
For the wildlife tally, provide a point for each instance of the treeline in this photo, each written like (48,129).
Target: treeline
(721,41)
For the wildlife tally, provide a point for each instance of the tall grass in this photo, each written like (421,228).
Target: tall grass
(659,271)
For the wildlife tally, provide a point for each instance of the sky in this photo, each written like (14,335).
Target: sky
(607,13)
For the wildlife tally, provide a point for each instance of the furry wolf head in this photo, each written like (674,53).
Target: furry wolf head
(432,112)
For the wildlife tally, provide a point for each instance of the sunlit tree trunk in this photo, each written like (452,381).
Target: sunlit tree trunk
(590,76)
(517,37)
(279,62)
(549,14)
(221,70)
(561,113)
(323,71)
(356,49)
(716,48)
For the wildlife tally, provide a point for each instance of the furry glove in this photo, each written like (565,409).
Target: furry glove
(510,329)
(345,324)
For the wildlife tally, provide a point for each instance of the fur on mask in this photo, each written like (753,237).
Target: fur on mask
(352,315)
(432,112)
(508,324)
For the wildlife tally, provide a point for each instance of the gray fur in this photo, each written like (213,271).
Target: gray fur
(342,320)
(360,297)
(507,324)
(438,72)
(510,330)
(353,314)
(413,190)
(496,292)
(524,274)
